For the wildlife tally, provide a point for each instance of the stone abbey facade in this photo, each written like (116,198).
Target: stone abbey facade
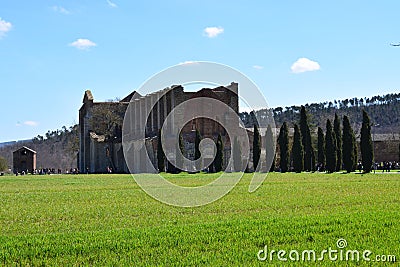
(99,152)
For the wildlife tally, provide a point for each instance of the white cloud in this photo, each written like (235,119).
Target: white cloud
(111,4)
(212,32)
(61,10)
(4,27)
(31,123)
(258,67)
(83,44)
(304,64)
(27,123)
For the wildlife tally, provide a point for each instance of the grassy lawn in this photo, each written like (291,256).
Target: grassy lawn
(108,220)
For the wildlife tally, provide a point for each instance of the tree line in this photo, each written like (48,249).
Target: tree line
(336,147)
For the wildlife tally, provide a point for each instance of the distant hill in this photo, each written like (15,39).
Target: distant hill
(384,112)
(7,143)
(57,149)
(14,142)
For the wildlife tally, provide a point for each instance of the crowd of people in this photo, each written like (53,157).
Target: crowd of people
(48,171)
(44,171)
(384,166)
(387,166)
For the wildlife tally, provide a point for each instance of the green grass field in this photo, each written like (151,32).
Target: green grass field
(107,220)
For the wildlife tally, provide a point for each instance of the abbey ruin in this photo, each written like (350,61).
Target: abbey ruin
(101,148)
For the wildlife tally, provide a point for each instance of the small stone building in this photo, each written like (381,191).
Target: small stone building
(24,159)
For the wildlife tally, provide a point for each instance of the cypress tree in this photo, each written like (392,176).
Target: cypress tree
(237,156)
(321,148)
(330,148)
(219,157)
(355,152)
(353,137)
(179,159)
(338,137)
(197,140)
(309,158)
(297,150)
(283,141)
(312,158)
(270,148)
(160,154)
(348,145)
(367,153)
(256,147)
(273,165)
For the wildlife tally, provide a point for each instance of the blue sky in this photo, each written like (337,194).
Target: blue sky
(52,51)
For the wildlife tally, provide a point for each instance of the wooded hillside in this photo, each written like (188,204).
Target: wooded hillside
(384,112)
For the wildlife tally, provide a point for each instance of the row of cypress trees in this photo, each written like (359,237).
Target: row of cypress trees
(340,146)
(337,149)
(303,154)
